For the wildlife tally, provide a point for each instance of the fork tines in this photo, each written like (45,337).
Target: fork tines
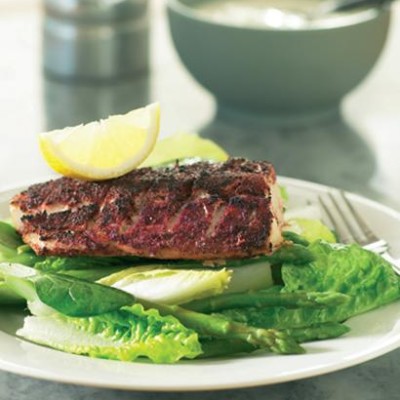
(347,222)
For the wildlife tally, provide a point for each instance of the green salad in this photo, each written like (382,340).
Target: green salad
(125,308)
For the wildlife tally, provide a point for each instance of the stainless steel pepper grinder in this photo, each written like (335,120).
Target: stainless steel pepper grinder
(95,40)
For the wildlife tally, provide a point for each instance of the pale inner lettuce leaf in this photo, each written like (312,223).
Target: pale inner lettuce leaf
(255,276)
(307,222)
(125,335)
(311,229)
(168,285)
(177,286)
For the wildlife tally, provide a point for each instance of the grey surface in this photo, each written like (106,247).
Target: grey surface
(326,151)
(355,148)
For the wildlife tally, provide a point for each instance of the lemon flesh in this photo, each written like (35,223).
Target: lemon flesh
(103,149)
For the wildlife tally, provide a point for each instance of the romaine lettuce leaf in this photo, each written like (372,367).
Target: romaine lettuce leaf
(125,335)
(96,320)
(50,295)
(348,269)
(364,276)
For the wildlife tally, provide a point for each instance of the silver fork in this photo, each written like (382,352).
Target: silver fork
(351,227)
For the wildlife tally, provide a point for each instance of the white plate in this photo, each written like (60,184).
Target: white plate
(372,334)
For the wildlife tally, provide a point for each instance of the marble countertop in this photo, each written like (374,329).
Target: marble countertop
(357,149)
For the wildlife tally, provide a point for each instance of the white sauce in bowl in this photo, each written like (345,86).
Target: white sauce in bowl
(277,14)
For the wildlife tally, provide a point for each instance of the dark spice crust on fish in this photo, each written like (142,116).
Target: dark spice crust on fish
(200,211)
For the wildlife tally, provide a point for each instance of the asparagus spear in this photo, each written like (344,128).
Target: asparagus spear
(328,330)
(9,237)
(291,253)
(267,298)
(218,347)
(295,238)
(209,325)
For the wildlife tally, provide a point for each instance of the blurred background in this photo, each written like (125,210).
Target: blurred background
(45,86)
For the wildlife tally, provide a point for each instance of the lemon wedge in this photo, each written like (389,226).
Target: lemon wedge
(103,149)
(181,146)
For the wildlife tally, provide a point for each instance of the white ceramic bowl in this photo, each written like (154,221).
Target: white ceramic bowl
(277,71)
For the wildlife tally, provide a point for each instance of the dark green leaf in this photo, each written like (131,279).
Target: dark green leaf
(79,298)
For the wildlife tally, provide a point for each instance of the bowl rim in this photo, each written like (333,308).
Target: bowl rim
(359,18)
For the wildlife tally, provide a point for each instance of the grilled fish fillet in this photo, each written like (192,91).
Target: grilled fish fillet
(201,211)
